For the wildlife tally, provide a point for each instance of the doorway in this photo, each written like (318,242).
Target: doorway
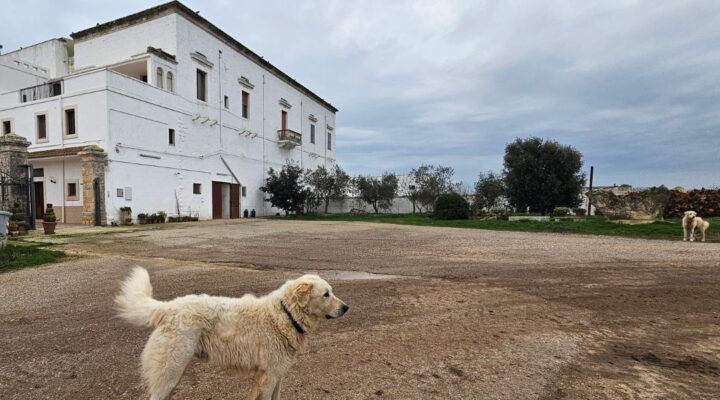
(225,200)
(39,188)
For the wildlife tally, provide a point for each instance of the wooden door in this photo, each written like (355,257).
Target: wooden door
(39,200)
(283,120)
(217,200)
(234,200)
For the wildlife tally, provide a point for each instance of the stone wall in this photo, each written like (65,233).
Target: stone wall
(645,205)
(93,163)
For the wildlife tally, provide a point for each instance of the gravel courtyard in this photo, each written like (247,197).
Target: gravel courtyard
(436,313)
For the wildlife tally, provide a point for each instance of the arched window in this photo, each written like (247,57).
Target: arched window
(170,86)
(159,78)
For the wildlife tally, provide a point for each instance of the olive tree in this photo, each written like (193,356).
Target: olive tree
(286,188)
(542,174)
(326,185)
(379,192)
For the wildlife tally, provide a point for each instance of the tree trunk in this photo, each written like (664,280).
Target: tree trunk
(374,204)
(327,203)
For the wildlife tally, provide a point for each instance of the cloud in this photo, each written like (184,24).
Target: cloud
(634,85)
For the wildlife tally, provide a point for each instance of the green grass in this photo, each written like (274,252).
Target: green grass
(16,256)
(667,230)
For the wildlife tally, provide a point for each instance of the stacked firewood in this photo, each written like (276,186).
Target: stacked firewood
(706,202)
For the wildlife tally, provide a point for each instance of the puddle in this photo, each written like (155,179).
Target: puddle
(357,276)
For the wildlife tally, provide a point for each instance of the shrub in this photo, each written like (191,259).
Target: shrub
(451,206)
(500,214)
(579,212)
(17,213)
(561,212)
(49,214)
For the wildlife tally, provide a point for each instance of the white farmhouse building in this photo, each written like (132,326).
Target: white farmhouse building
(188,118)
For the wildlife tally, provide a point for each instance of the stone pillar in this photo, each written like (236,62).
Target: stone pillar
(93,161)
(13,161)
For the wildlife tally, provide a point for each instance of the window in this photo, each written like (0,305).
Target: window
(7,127)
(201,85)
(245,104)
(41,127)
(171,137)
(244,191)
(197,188)
(38,172)
(312,133)
(170,83)
(120,192)
(329,141)
(283,120)
(70,122)
(71,191)
(227,102)
(159,77)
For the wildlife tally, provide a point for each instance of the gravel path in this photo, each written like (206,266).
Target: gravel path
(436,313)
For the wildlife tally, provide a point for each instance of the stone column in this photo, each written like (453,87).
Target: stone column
(13,159)
(93,161)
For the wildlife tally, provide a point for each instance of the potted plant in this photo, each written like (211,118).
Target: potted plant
(142,218)
(126,215)
(49,220)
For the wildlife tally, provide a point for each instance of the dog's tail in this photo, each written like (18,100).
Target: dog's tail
(135,303)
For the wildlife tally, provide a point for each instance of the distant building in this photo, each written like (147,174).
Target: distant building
(188,118)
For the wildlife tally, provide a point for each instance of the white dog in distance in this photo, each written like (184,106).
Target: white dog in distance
(692,221)
(256,335)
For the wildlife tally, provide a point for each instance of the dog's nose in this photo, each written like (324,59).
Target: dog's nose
(344,308)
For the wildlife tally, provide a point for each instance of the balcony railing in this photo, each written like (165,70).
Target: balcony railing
(288,138)
(43,91)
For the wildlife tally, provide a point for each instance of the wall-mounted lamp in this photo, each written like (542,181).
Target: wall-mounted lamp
(53,180)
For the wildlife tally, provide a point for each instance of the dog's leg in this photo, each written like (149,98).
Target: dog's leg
(276,391)
(264,386)
(165,358)
(692,231)
(703,232)
(684,234)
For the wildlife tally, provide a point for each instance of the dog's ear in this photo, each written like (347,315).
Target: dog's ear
(301,293)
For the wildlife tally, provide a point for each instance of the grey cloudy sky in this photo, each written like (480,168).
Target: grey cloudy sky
(633,84)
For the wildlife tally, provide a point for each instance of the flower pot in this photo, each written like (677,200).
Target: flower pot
(49,227)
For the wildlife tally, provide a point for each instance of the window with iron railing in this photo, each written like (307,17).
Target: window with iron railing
(43,91)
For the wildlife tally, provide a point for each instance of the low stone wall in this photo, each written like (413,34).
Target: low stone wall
(644,205)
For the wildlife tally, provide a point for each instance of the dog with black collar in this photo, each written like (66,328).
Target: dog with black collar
(256,335)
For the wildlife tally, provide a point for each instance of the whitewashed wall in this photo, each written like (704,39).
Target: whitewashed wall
(130,119)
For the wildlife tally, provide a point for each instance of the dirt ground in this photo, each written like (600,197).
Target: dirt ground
(436,313)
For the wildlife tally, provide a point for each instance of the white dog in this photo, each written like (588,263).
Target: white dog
(254,335)
(692,221)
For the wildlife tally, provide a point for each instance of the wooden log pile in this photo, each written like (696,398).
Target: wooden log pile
(706,202)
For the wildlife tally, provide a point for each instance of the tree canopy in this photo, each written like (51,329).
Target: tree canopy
(379,192)
(542,174)
(286,188)
(326,185)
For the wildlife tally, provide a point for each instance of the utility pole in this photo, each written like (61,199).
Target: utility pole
(592,168)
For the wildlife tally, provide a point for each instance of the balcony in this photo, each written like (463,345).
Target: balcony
(49,89)
(288,139)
